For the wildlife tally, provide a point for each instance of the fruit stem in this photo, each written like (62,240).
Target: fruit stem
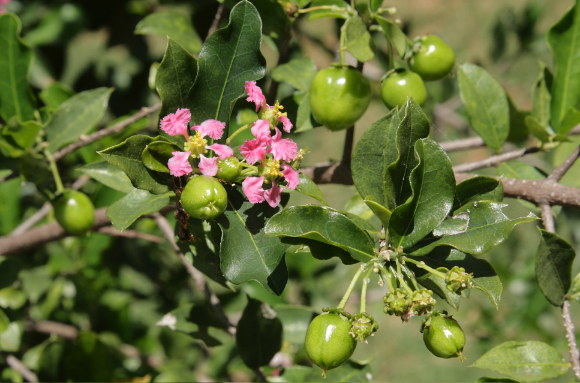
(54,169)
(423,266)
(342,45)
(387,274)
(401,280)
(390,53)
(363,294)
(342,303)
(410,275)
(240,130)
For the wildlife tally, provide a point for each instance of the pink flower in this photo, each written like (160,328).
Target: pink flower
(179,164)
(273,195)
(283,148)
(253,151)
(252,188)
(208,166)
(291,176)
(255,94)
(176,123)
(287,125)
(211,128)
(261,130)
(223,151)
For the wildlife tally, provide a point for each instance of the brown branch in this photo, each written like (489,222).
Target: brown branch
(216,21)
(547,217)
(571,336)
(462,144)
(17,365)
(557,174)
(144,112)
(493,160)
(130,234)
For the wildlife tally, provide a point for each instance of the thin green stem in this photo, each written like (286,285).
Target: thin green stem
(363,294)
(411,276)
(423,266)
(342,303)
(54,169)
(401,279)
(326,7)
(248,171)
(391,57)
(240,130)
(387,275)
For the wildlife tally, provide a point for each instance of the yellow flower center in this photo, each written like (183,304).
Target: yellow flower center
(196,145)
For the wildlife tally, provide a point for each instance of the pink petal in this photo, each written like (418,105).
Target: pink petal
(211,128)
(253,151)
(208,166)
(283,149)
(287,125)
(179,164)
(223,151)
(175,124)
(255,94)
(273,195)
(261,130)
(291,176)
(252,188)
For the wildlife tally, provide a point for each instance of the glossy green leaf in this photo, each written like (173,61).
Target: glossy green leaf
(76,116)
(357,40)
(486,104)
(275,20)
(412,127)
(175,25)
(320,250)
(174,82)
(298,73)
(4,321)
(16,98)
(488,227)
(108,175)
(374,152)
(564,40)
(541,97)
(246,252)
(156,155)
(356,205)
(530,361)
(135,204)
(24,134)
(324,225)
(383,214)
(337,8)
(570,120)
(127,157)
(479,188)
(395,35)
(199,321)
(433,188)
(554,267)
(259,334)
(55,94)
(309,188)
(229,58)
(295,321)
(453,225)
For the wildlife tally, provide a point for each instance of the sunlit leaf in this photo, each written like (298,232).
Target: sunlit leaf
(135,204)
(174,25)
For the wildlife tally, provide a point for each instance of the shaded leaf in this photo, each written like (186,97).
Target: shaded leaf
(395,35)
(340,9)
(479,188)
(135,204)
(320,250)
(485,379)
(309,188)
(380,211)
(298,73)
(303,120)
(574,293)
(174,25)
(108,175)
(357,40)
(530,361)
(554,267)
(156,155)
(541,97)
(55,94)
(356,205)
(518,129)
(198,321)
(91,357)
(542,133)
(295,321)
(4,321)
(276,22)
(486,104)
(23,134)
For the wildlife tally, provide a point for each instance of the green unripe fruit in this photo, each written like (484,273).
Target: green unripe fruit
(204,197)
(444,337)
(328,342)
(432,59)
(401,84)
(339,96)
(74,211)
(228,169)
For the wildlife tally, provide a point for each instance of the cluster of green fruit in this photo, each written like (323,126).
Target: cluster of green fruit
(340,94)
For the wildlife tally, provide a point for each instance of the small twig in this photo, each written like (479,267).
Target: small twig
(130,234)
(21,368)
(348,146)
(493,160)
(547,217)
(216,21)
(144,112)
(462,144)
(571,336)
(50,327)
(557,174)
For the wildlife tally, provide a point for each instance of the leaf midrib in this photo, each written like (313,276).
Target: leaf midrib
(569,66)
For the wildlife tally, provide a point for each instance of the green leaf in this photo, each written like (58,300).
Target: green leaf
(229,58)
(298,73)
(303,120)
(50,362)
(530,361)
(4,321)
(135,204)
(486,104)
(542,133)
(541,97)
(488,227)
(127,157)
(108,175)
(198,321)
(309,188)
(570,120)
(35,169)
(413,127)
(174,25)
(340,9)
(574,293)
(246,252)
(486,379)
(433,188)
(374,152)
(76,116)
(395,35)
(91,357)
(520,170)
(564,40)
(156,155)
(356,205)
(276,22)
(554,267)
(55,94)
(320,250)
(259,334)
(174,82)
(16,98)
(295,321)
(380,211)
(357,40)
(518,129)
(480,188)
(325,225)
(10,339)
(24,134)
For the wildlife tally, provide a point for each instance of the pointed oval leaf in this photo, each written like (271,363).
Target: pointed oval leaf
(554,266)
(320,250)
(309,188)
(175,25)
(135,204)
(541,97)
(108,175)
(55,94)
(298,73)
(358,40)
(395,35)
(542,133)
(530,361)
(486,104)
(480,188)
(382,213)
